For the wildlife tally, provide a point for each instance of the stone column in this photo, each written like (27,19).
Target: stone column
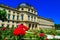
(34,27)
(25,17)
(36,19)
(5,24)
(26,24)
(15,24)
(15,16)
(37,27)
(10,26)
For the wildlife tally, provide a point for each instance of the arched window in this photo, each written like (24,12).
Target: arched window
(28,9)
(28,17)
(2,25)
(8,16)
(29,25)
(31,18)
(13,17)
(17,17)
(22,8)
(34,19)
(32,26)
(36,26)
(22,16)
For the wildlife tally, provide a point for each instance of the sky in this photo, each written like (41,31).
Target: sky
(45,8)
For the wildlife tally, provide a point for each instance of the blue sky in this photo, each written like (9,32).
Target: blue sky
(46,8)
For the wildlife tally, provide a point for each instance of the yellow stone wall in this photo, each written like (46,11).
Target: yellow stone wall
(25,17)
(46,24)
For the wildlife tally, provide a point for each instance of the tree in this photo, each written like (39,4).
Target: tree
(57,26)
(3,15)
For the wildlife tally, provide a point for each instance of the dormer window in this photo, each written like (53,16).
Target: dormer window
(32,10)
(28,9)
(9,10)
(13,12)
(22,8)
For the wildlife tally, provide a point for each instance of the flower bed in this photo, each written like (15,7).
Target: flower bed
(23,33)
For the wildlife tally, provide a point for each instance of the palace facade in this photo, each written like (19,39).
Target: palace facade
(27,15)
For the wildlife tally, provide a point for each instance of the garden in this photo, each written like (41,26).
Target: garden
(22,32)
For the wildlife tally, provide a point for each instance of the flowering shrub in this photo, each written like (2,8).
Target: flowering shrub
(20,31)
(23,27)
(47,39)
(41,34)
(4,28)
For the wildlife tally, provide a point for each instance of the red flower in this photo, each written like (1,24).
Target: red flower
(47,39)
(19,31)
(23,26)
(22,31)
(20,26)
(26,28)
(42,34)
(16,32)
(4,28)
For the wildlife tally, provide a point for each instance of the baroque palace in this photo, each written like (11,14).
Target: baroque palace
(27,15)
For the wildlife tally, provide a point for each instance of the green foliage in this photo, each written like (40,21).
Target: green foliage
(57,26)
(41,31)
(6,34)
(3,15)
(58,32)
(31,35)
(51,31)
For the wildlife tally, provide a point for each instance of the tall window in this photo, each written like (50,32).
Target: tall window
(35,25)
(2,25)
(13,12)
(13,17)
(31,18)
(29,25)
(32,26)
(12,21)
(28,17)
(32,10)
(28,9)
(22,16)
(8,16)
(22,8)
(34,19)
(17,17)
(9,10)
